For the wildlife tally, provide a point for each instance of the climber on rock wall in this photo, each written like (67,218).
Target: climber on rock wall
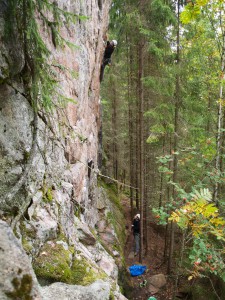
(110,47)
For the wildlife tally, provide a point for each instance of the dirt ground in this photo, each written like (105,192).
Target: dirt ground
(153,259)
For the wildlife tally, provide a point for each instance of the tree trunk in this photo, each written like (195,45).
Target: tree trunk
(176,129)
(219,123)
(130,113)
(141,143)
(137,158)
(168,195)
(114,129)
(161,177)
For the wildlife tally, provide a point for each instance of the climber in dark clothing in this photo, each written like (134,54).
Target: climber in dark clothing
(136,233)
(110,47)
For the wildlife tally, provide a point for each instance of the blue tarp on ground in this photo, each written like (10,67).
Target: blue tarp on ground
(137,270)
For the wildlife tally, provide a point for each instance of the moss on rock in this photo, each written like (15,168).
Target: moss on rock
(53,263)
(47,194)
(115,216)
(111,296)
(27,230)
(112,192)
(27,245)
(22,288)
(84,274)
(57,264)
(28,234)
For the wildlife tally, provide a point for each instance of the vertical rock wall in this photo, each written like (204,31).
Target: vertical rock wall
(48,182)
(68,135)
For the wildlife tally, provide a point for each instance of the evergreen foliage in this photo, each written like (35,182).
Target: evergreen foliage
(182,84)
(39,73)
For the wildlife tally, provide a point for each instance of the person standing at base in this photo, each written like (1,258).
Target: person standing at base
(136,233)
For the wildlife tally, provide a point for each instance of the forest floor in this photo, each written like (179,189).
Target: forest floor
(153,259)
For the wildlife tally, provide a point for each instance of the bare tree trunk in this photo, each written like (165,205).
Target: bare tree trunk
(145,173)
(161,177)
(222,187)
(141,143)
(176,129)
(209,113)
(168,191)
(137,158)
(114,129)
(219,123)
(131,140)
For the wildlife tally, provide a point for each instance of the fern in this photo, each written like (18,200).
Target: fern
(202,194)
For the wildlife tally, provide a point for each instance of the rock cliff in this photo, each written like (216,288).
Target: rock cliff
(49,157)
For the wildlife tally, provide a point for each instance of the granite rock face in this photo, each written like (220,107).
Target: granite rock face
(56,188)
(17,278)
(97,291)
(67,137)
(60,172)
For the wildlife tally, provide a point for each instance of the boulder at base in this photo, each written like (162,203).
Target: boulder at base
(17,280)
(99,290)
(156,282)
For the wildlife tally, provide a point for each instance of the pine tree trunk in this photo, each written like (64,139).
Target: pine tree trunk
(209,112)
(145,169)
(175,141)
(219,123)
(130,114)
(168,195)
(114,129)
(141,143)
(137,154)
(161,176)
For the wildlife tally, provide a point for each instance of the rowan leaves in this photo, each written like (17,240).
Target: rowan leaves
(202,219)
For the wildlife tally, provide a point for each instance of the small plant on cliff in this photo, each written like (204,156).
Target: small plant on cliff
(39,75)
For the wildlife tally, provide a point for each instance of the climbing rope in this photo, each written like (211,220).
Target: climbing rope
(117,181)
(96,171)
